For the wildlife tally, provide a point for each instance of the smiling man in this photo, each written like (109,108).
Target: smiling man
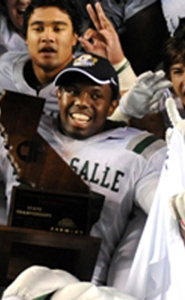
(16,9)
(86,115)
(119,163)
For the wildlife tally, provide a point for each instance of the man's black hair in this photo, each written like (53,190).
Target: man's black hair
(3,8)
(174,48)
(173,53)
(68,6)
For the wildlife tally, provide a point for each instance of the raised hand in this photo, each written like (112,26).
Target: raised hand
(103,40)
(144,97)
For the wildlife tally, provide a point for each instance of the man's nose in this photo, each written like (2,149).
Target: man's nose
(83,100)
(47,35)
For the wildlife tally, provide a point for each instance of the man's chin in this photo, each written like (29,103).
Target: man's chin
(48,67)
(78,134)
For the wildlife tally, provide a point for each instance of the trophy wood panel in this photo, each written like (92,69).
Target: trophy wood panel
(21,248)
(20,113)
(39,165)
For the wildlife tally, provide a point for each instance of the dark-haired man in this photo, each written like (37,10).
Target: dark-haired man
(51,33)
(120,163)
(100,151)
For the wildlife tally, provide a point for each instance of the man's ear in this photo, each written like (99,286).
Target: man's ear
(112,107)
(59,95)
(75,39)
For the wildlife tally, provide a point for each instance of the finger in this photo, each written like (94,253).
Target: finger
(90,34)
(151,79)
(94,16)
(104,21)
(154,106)
(172,111)
(88,46)
(159,74)
(145,76)
(154,102)
(161,85)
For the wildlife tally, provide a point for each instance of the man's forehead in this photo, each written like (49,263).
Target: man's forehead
(177,65)
(87,84)
(49,14)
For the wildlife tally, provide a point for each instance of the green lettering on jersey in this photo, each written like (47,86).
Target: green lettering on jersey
(93,177)
(72,164)
(103,183)
(84,171)
(115,188)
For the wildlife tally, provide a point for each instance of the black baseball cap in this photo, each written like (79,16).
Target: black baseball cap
(97,68)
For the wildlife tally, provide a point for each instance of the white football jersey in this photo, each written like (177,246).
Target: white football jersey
(12,79)
(122,165)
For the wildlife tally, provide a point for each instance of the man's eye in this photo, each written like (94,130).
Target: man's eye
(57,29)
(179,71)
(95,96)
(72,91)
(38,29)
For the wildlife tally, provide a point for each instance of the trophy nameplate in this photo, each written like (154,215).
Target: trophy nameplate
(63,213)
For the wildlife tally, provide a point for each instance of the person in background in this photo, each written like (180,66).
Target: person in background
(174,64)
(11,25)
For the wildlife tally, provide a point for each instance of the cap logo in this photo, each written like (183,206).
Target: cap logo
(85,60)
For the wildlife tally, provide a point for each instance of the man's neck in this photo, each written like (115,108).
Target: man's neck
(46,76)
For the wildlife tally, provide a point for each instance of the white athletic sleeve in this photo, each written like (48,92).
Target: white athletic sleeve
(8,177)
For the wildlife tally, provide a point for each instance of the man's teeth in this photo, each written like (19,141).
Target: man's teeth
(21,10)
(80,117)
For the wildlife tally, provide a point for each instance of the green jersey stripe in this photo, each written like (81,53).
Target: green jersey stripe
(139,148)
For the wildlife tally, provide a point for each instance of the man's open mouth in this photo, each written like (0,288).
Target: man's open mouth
(21,11)
(47,50)
(80,118)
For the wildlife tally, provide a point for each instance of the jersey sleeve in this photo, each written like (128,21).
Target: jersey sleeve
(7,179)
